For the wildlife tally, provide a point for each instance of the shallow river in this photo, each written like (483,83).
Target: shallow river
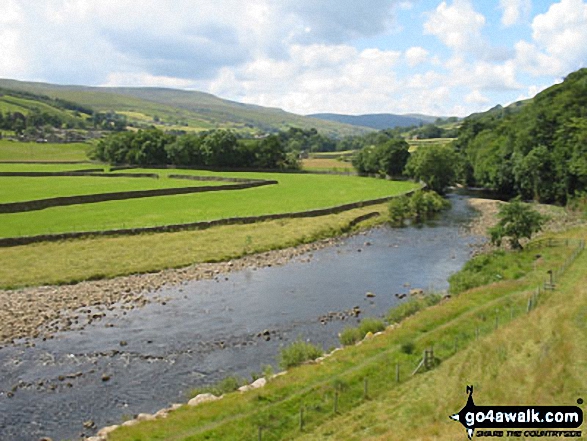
(153,356)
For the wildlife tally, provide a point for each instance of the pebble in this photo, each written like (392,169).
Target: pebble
(40,312)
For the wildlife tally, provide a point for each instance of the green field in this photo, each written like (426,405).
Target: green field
(294,192)
(32,151)
(49,168)
(20,189)
(92,258)
(487,337)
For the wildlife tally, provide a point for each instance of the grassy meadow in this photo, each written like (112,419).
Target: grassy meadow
(327,164)
(20,189)
(486,337)
(32,151)
(294,192)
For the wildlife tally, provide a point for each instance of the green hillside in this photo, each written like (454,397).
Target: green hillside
(184,110)
(536,148)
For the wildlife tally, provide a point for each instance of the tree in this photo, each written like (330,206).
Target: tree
(388,158)
(436,165)
(516,221)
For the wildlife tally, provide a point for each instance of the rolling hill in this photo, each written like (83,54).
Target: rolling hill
(378,121)
(181,109)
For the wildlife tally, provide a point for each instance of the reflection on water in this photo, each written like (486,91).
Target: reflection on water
(151,357)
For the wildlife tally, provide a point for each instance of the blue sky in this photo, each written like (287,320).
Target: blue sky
(450,57)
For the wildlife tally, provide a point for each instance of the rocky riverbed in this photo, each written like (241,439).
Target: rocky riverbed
(40,312)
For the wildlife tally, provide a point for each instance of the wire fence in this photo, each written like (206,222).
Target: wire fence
(375,375)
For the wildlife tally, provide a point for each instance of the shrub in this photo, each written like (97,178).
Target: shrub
(371,325)
(399,210)
(349,336)
(420,206)
(224,386)
(408,347)
(412,306)
(297,353)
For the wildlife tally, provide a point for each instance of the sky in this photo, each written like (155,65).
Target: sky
(442,58)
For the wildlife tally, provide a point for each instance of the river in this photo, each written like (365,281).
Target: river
(151,357)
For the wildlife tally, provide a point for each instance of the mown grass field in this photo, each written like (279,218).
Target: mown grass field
(32,151)
(485,337)
(20,189)
(294,192)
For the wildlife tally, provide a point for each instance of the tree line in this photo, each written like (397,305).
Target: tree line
(220,148)
(536,149)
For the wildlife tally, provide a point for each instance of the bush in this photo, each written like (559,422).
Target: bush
(420,206)
(408,347)
(489,268)
(297,353)
(406,309)
(372,325)
(399,210)
(349,336)
(224,386)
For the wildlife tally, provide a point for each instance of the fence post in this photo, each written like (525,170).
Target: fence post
(456,344)
(477,332)
(336,401)
(260,433)
(397,372)
(529,304)
(301,419)
(366,388)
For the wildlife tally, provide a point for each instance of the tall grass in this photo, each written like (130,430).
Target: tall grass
(298,353)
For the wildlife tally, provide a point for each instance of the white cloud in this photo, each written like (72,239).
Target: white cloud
(458,26)
(514,10)
(532,91)
(558,45)
(316,78)
(476,97)
(562,31)
(416,55)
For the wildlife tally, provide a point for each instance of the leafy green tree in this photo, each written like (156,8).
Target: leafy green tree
(516,221)
(435,165)
(388,158)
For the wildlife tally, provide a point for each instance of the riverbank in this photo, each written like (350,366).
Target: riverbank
(369,404)
(558,219)
(42,311)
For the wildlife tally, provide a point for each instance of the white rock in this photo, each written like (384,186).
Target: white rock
(130,423)
(163,413)
(103,433)
(202,398)
(145,417)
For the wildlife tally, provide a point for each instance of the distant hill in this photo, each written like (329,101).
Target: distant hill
(182,110)
(378,121)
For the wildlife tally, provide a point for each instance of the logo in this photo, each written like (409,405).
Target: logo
(474,417)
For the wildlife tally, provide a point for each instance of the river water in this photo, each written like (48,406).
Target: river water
(151,357)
